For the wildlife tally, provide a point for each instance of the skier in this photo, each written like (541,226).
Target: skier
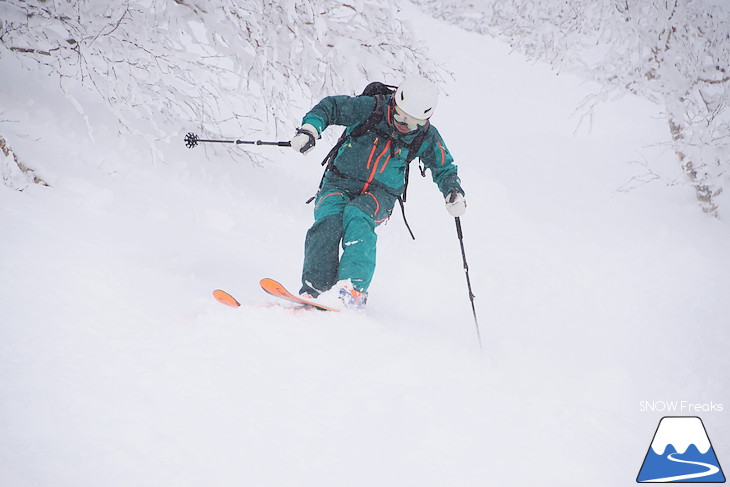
(365,179)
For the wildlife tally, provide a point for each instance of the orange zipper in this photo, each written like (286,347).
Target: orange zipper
(375,146)
(443,153)
(385,164)
(375,166)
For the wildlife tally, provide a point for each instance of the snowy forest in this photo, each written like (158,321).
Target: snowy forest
(254,59)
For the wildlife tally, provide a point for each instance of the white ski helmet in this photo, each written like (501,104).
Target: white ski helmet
(416,96)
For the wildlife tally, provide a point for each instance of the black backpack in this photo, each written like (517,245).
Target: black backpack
(379,91)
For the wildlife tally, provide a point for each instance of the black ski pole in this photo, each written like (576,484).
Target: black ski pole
(460,234)
(191,140)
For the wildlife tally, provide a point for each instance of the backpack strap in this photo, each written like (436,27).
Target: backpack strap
(413,149)
(405,220)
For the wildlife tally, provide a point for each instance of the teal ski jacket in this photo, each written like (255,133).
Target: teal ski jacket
(378,157)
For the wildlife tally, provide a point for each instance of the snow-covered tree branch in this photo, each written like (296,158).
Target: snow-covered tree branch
(14,173)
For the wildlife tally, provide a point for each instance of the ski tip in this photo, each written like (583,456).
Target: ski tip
(268,283)
(225,298)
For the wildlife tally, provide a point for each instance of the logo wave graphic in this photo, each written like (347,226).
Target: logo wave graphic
(680,452)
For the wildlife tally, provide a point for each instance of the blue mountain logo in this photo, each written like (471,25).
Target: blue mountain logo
(681,452)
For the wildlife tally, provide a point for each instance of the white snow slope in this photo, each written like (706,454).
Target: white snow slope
(118,368)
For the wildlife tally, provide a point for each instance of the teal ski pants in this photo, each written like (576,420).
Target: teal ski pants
(343,219)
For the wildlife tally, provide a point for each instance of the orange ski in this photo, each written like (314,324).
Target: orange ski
(276,289)
(225,298)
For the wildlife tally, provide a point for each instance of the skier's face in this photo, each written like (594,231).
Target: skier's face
(404,123)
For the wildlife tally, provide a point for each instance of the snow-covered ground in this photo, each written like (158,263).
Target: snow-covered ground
(118,368)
